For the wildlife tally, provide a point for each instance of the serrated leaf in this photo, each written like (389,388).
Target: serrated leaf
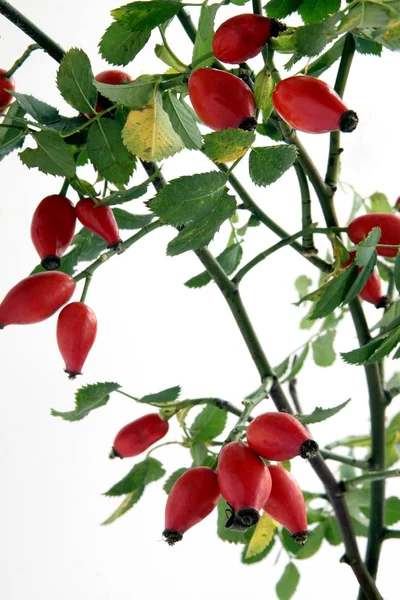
(88,398)
(205,34)
(311,39)
(373,351)
(209,424)
(83,187)
(369,15)
(280,9)
(228,535)
(40,111)
(392,514)
(312,11)
(144,16)
(12,138)
(164,54)
(119,45)
(75,81)
(264,86)
(198,453)
(380,203)
(183,121)
(326,60)
(323,351)
(138,477)
(287,584)
(163,397)
(281,369)
(127,220)
(364,46)
(229,260)
(135,94)
(121,197)
(51,155)
(172,478)
(333,293)
(313,543)
(267,165)
(321,414)
(128,502)
(302,285)
(298,365)
(262,536)
(227,145)
(148,133)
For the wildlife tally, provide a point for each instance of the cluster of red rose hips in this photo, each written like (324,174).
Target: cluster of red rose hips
(242,478)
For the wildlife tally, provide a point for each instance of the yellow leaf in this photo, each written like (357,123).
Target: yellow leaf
(263,534)
(148,132)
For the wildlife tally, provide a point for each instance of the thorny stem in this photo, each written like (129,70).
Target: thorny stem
(346,460)
(20,61)
(308,240)
(367,477)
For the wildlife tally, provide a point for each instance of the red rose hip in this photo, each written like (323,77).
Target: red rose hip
(279,436)
(389,225)
(99,220)
(286,503)
(310,105)
(243,37)
(36,298)
(112,77)
(6,83)
(222,100)
(372,290)
(136,437)
(245,483)
(192,498)
(52,229)
(76,333)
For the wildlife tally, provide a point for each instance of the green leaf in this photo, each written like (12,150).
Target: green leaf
(119,45)
(263,89)
(128,502)
(326,60)
(183,121)
(11,139)
(135,94)
(281,369)
(229,260)
(380,203)
(323,351)
(392,514)
(172,478)
(364,46)
(107,153)
(267,165)
(313,543)
(311,39)
(164,54)
(228,145)
(205,34)
(397,272)
(144,16)
(121,197)
(228,535)
(357,498)
(287,585)
(209,424)
(83,187)
(261,542)
(321,414)
(374,351)
(127,220)
(163,397)
(51,156)
(288,542)
(88,398)
(139,476)
(302,285)
(198,452)
(269,130)
(333,534)
(312,11)
(298,365)
(40,111)
(75,81)
(334,292)
(279,9)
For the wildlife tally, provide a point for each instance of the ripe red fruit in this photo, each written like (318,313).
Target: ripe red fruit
(389,224)
(76,333)
(279,436)
(6,83)
(192,498)
(243,37)
(52,229)
(100,220)
(372,290)
(310,105)
(286,503)
(136,437)
(112,77)
(36,298)
(222,100)
(245,483)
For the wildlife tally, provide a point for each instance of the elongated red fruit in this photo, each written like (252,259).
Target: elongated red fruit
(310,105)
(52,229)
(245,483)
(136,437)
(112,77)
(99,220)
(286,503)
(6,83)
(222,100)
(372,290)
(389,225)
(243,37)
(36,298)
(76,333)
(279,436)
(192,498)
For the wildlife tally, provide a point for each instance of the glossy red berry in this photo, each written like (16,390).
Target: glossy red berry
(286,503)
(222,100)
(280,436)
(136,437)
(389,225)
(192,498)
(99,220)
(36,298)
(52,229)
(372,290)
(112,77)
(245,483)
(76,333)
(6,83)
(243,37)
(310,105)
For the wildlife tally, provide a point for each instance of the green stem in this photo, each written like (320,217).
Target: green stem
(200,60)
(308,240)
(161,446)
(249,406)
(217,402)
(367,477)
(127,395)
(187,24)
(389,534)
(20,61)
(346,460)
(169,50)
(64,187)
(85,288)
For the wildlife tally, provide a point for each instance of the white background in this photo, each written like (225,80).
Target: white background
(155,333)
